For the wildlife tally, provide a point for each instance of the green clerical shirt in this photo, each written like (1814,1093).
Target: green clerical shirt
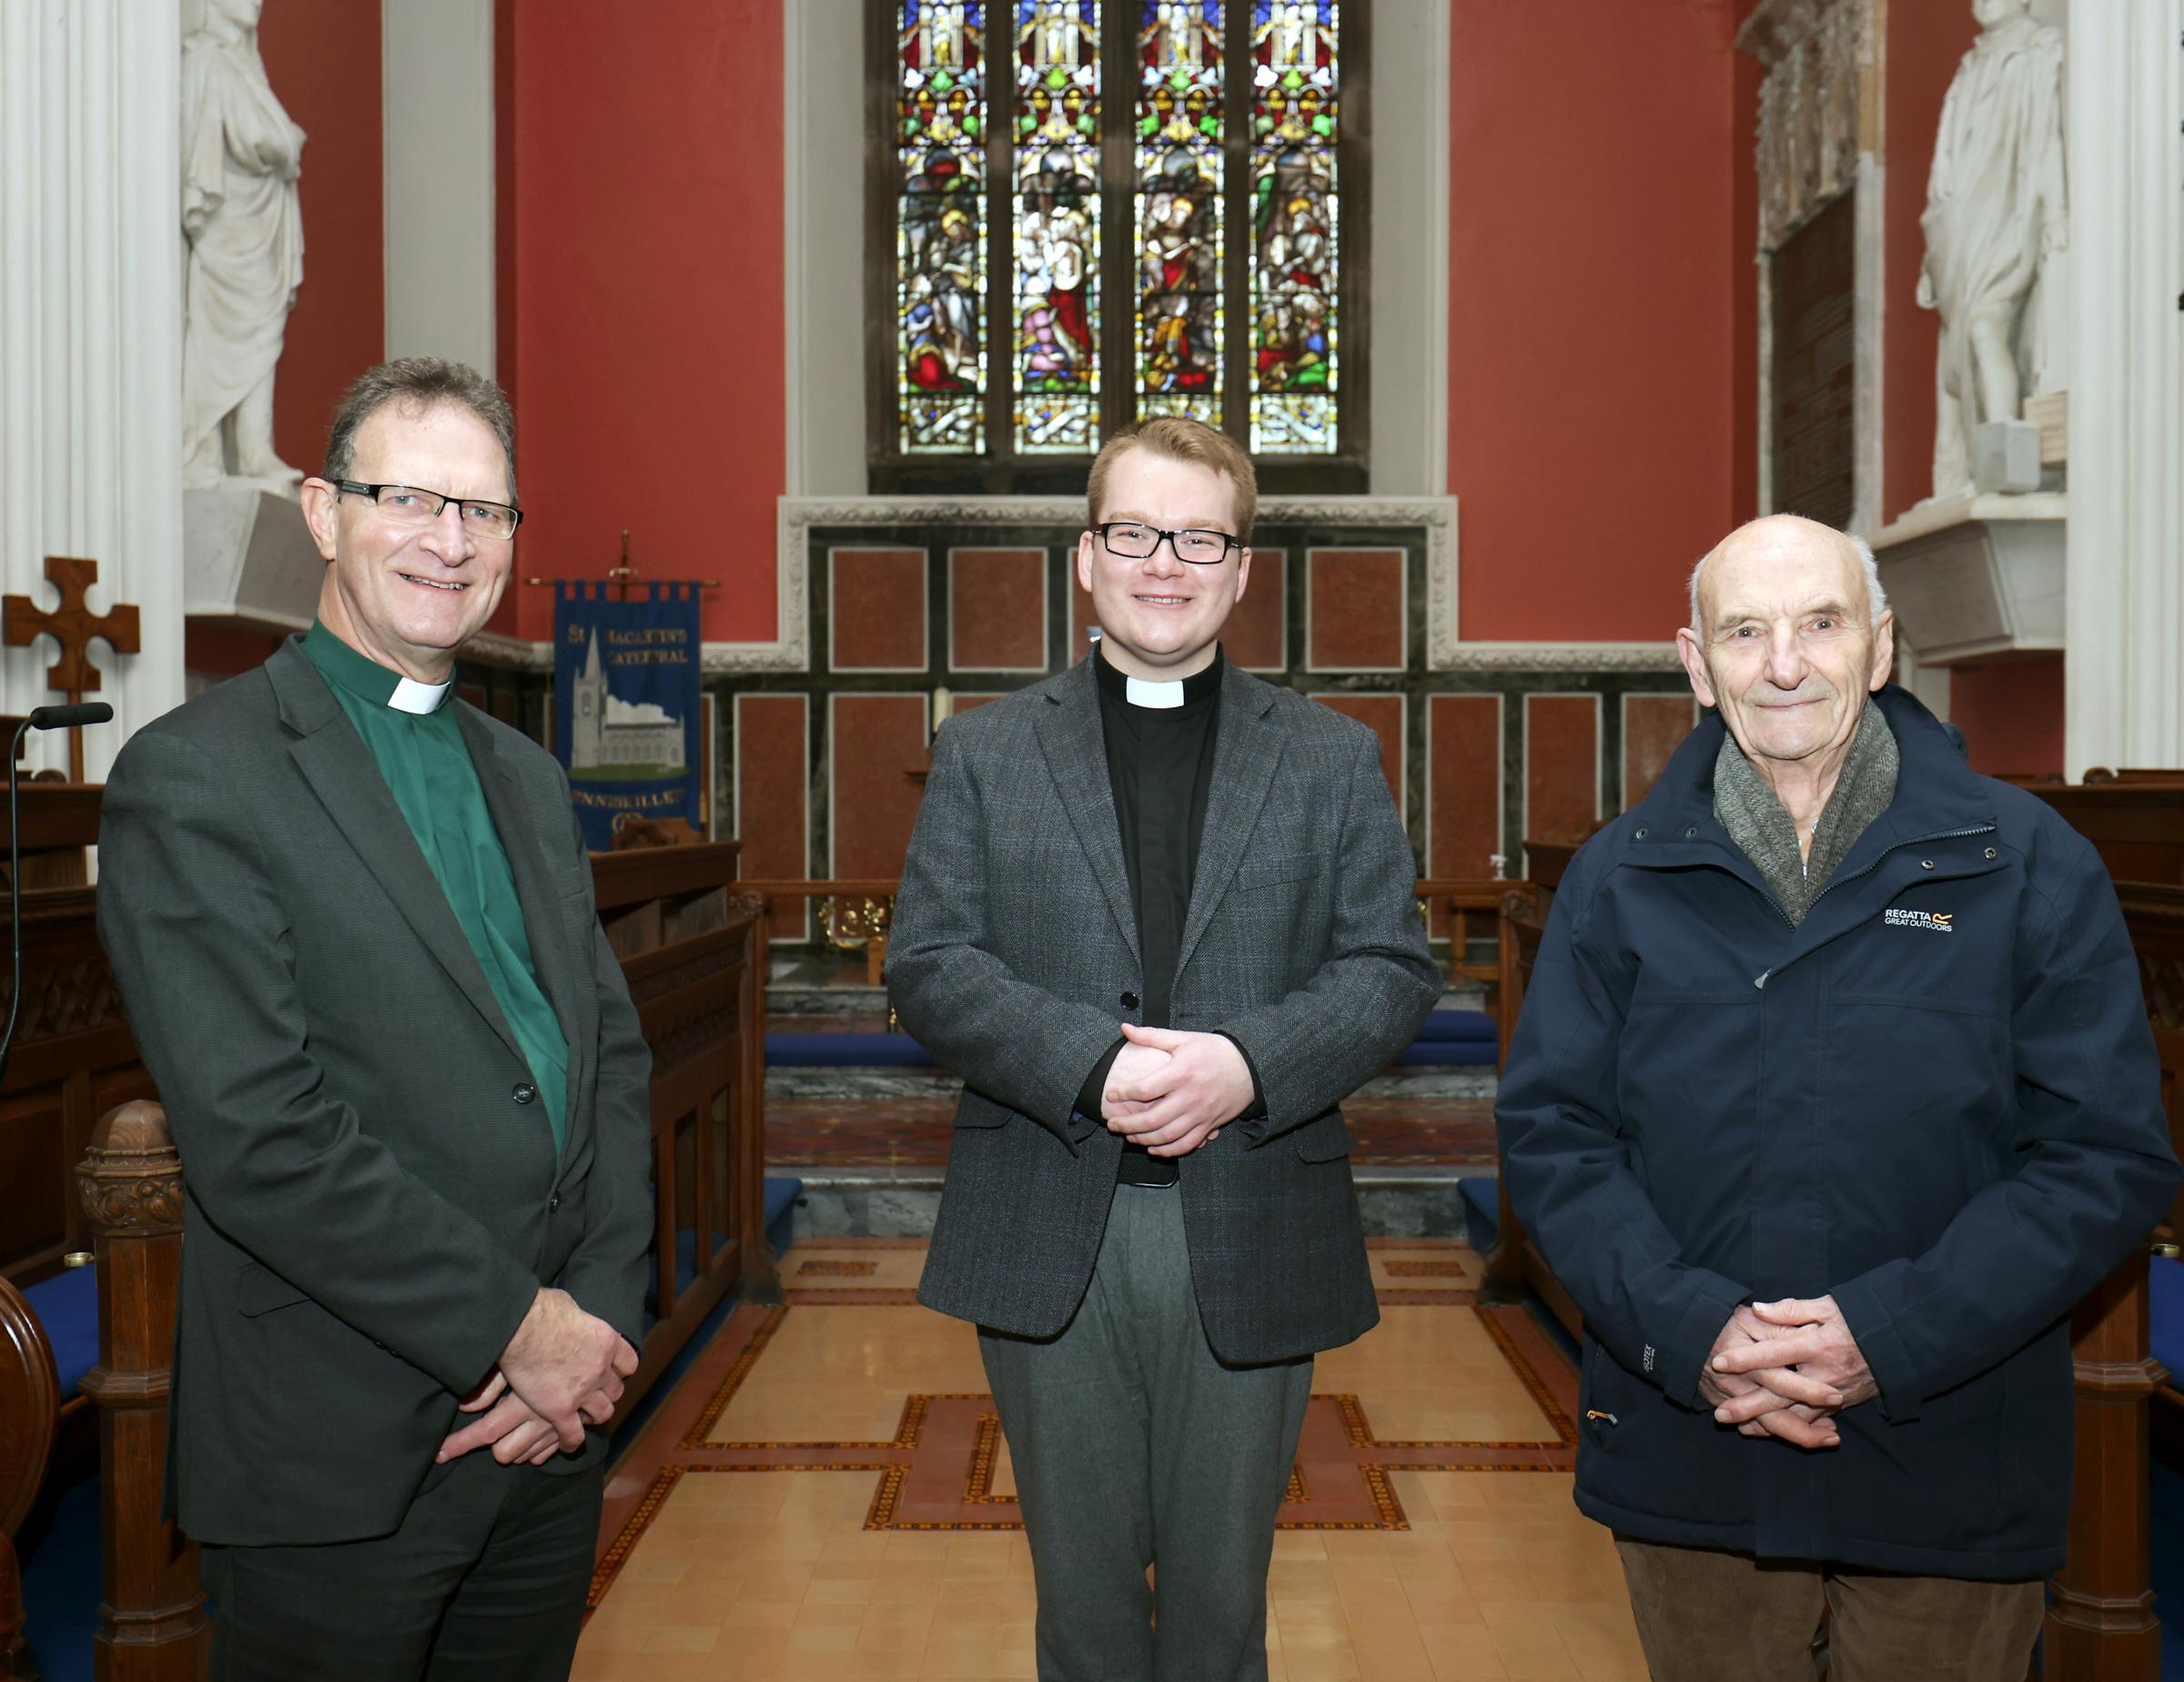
(429,771)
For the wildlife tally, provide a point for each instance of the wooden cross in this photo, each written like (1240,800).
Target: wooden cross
(73,626)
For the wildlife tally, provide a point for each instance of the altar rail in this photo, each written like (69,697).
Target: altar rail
(853,915)
(692,946)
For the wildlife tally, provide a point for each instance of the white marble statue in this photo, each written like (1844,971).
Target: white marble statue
(1995,221)
(241,158)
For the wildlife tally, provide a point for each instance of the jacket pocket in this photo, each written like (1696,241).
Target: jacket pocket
(1324,1139)
(975,1111)
(260,1291)
(1284,867)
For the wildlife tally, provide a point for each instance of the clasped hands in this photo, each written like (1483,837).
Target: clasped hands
(1173,1091)
(1785,1369)
(561,1370)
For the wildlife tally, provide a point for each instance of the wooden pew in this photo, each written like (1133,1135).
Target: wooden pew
(693,949)
(1514,1265)
(1473,908)
(73,1057)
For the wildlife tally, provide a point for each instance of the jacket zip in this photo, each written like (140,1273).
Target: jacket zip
(1946,835)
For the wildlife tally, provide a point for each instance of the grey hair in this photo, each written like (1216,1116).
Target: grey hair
(421,380)
(1876,598)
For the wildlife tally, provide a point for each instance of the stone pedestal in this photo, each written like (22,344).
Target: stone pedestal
(1977,579)
(248,558)
(2005,457)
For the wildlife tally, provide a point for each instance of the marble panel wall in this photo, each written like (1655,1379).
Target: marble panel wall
(827,764)
(1561,765)
(1387,717)
(771,806)
(1653,727)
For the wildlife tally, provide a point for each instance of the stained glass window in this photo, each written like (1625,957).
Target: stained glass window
(1294,227)
(1056,219)
(1218,142)
(1178,209)
(940,244)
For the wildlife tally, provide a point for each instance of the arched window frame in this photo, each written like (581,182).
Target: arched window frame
(998,470)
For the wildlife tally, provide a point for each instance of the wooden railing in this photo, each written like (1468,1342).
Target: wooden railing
(854,911)
(854,914)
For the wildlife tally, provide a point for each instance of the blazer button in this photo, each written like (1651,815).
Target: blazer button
(524,1093)
(1130,1001)
(553,1203)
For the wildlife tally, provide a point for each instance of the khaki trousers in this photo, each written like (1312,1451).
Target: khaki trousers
(1709,1616)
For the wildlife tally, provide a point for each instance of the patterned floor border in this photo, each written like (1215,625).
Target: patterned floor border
(937,1471)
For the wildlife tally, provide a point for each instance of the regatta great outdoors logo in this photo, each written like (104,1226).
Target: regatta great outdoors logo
(1936,922)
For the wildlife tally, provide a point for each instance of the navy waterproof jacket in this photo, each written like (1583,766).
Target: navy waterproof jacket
(1937,1098)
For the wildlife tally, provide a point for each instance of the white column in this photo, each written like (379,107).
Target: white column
(2124,694)
(822,217)
(91,340)
(437,70)
(1409,101)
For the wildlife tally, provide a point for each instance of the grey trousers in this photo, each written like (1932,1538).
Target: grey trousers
(1134,1446)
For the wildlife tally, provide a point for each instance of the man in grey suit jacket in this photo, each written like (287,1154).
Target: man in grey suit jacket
(1159,917)
(353,923)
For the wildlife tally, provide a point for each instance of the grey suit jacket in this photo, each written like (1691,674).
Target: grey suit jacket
(368,1207)
(1014,943)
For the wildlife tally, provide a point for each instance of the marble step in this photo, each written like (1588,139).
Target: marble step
(805,1001)
(902,1202)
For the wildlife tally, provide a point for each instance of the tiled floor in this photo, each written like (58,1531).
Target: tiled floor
(827,1496)
(912,1133)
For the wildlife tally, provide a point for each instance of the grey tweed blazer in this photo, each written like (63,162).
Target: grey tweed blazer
(1014,944)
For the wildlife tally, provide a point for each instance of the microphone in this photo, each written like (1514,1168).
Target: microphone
(62,717)
(40,718)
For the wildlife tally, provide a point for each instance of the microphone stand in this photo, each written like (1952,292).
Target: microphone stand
(41,718)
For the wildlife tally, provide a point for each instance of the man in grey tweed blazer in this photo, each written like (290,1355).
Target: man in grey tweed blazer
(1159,917)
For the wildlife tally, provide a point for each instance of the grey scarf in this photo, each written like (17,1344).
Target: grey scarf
(1757,823)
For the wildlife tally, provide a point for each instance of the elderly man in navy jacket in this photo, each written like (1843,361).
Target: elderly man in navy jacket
(1834,1092)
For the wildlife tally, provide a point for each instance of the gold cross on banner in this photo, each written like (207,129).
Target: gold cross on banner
(73,626)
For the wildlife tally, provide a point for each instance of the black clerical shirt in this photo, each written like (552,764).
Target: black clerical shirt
(1161,768)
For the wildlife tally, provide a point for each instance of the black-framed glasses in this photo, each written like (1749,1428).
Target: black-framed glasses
(413,506)
(1135,541)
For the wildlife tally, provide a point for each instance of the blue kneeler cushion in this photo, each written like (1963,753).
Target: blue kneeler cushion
(66,1305)
(846,1051)
(2165,1300)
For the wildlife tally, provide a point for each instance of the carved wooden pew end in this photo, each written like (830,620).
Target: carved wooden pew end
(153,1626)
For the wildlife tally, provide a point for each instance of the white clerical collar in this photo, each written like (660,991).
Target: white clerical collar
(1141,692)
(411,696)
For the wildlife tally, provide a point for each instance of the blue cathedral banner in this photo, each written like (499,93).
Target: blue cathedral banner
(625,704)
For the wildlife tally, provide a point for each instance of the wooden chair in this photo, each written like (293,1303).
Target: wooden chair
(30,1409)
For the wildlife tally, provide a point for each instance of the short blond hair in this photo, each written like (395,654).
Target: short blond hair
(1180,438)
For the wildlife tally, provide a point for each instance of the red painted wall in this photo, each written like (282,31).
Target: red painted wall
(322,58)
(1926,43)
(1595,382)
(647,293)
(2011,715)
